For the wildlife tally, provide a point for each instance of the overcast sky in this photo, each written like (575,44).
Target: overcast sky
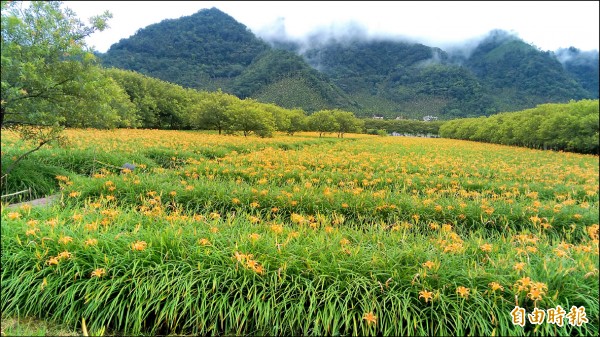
(549,25)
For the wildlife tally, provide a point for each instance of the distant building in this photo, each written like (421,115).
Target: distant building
(377,117)
(430,118)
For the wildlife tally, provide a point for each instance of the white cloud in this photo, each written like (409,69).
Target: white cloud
(549,25)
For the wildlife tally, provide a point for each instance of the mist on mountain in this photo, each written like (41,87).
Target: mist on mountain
(345,66)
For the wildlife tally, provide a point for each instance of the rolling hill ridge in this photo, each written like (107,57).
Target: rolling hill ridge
(210,50)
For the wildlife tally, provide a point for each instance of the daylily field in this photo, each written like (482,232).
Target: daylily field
(302,235)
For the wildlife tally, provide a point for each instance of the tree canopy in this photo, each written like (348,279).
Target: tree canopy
(50,78)
(49,75)
(336,120)
(572,126)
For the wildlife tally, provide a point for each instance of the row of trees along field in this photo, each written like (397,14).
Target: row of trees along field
(163,105)
(403,126)
(572,126)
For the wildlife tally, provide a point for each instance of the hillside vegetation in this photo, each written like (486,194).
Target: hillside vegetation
(573,126)
(189,51)
(210,50)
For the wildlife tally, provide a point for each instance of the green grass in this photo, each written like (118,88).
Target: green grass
(12,326)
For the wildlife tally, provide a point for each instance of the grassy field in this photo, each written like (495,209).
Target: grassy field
(27,326)
(301,235)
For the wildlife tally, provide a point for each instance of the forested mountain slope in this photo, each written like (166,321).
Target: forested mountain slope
(392,78)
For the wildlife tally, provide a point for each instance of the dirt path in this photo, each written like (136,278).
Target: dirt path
(46,201)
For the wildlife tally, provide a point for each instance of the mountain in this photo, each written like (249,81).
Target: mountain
(191,51)
(210,50)
(582,66)
(284,78)
(500,73)
(392,78)
(521,75)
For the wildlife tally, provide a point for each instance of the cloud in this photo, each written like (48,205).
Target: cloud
(576,57)
(436,58)
(274,31)
(550,26)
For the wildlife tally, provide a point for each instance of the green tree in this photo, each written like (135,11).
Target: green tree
(323,122)
(139,89)
(347,122)
(570,127)
(297,121)
(50,78)
(249,117)
(281,116)
(211,112)
(158,104)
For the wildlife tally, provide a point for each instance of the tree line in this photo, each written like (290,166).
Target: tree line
(402,126)
(572,126)
(162,105)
